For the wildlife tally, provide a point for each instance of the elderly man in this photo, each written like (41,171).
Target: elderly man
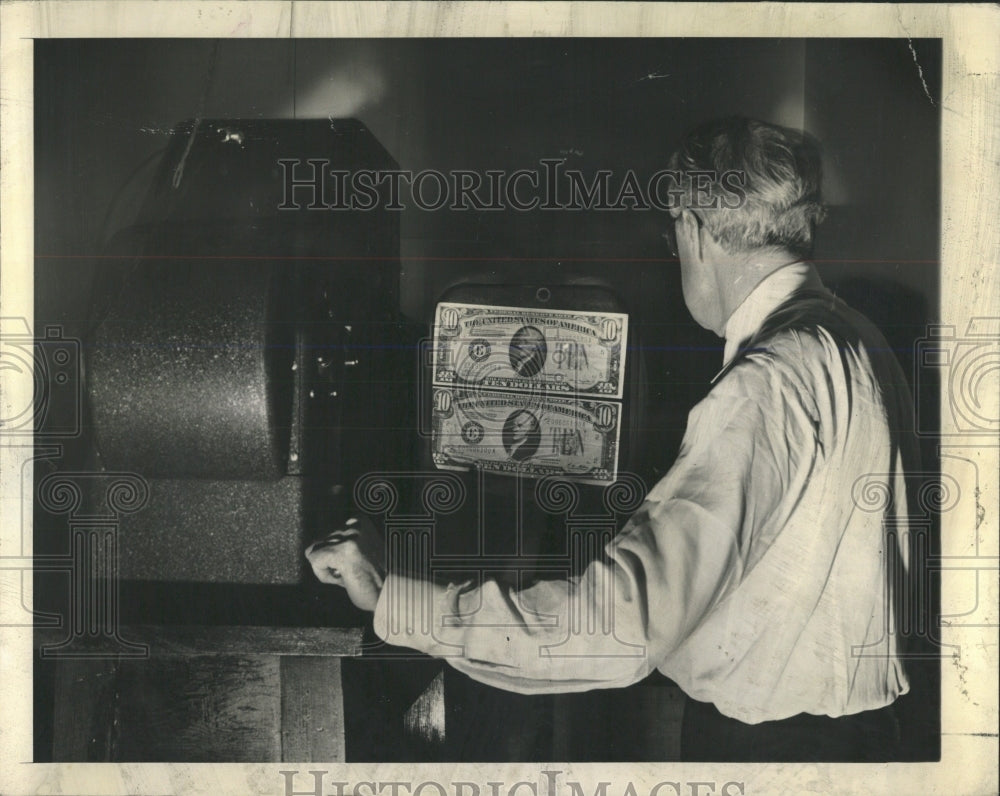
(753,575)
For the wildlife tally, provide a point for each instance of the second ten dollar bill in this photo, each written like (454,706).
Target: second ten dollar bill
(510,433)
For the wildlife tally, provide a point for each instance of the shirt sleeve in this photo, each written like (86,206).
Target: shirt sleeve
(669,565)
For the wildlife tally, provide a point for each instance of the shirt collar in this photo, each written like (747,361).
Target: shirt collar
(772,291)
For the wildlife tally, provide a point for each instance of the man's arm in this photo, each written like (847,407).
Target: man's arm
(608,628)
(667,568)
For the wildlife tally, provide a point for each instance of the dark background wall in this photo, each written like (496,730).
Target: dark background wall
(104,107)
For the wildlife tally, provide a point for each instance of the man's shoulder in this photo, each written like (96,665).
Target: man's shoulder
(819,360)
(785,374)
(790,353)
(800,355)
(817,316)
(814,327)
(812,346)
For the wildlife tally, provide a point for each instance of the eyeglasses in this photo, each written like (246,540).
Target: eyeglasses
(670,235)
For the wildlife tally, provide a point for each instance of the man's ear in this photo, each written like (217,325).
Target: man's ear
(689,226)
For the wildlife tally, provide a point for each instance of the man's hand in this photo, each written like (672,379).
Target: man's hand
(352,557)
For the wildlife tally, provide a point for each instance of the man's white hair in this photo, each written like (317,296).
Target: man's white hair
(776,172)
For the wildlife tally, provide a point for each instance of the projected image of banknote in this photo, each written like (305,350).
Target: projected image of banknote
(516,348)
(510,433)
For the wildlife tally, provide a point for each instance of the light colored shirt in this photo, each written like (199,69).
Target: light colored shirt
(754,575)
(762,300)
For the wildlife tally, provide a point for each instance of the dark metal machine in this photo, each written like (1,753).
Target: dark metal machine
(246,340)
